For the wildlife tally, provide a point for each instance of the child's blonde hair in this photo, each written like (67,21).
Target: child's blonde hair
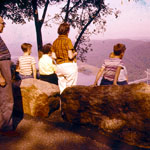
(25,47)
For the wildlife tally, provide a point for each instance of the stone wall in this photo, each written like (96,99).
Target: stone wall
(122,112)
(36,97)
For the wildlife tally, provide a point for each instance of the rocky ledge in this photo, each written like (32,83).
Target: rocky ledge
(36,97)
(122,112)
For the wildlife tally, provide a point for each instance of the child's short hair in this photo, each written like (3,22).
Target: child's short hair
(119,48)
(46,48)
(63,29)
(25,46)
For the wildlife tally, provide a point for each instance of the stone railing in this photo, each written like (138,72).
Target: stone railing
(36,97)
(122,112)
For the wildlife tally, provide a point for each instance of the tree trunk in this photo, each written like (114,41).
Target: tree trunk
(39,37)
(38,26)
(67,11)
(122,112)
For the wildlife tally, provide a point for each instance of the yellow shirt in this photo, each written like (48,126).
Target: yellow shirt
(46,66)
(61,46)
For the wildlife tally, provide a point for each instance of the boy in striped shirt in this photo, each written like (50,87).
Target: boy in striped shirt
(26,63)
(111,67)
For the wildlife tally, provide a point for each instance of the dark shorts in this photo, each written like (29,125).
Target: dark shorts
(122,83)
(25,76)
(107,82)
(52,78)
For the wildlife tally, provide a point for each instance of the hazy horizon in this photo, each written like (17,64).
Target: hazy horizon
(132,23)
(15,48)
(136,57)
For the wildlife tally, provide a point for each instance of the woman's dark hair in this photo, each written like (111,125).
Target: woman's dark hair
(46,48)
(63,29)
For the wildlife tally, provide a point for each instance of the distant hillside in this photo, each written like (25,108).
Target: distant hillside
(136,59)
(16,51)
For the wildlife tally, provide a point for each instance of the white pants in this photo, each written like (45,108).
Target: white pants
(67,75)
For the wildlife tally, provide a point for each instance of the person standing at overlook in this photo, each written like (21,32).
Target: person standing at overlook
(6,94)
(64,54)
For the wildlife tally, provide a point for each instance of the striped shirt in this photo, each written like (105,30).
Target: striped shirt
(61,46)
(110,66)
(4,52)
(25,64)
(123,74)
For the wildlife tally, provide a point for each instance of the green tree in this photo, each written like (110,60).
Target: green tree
(81,14)
(20,11)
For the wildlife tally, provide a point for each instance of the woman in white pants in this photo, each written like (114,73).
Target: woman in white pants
(65,56)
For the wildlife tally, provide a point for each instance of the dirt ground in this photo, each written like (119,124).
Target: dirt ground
(55,134)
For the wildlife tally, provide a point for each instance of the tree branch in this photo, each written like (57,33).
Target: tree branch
(85,27)
(44,12)
(67,11)
(77,3)
(35,11)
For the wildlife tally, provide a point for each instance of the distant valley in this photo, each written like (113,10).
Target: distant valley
(136,59)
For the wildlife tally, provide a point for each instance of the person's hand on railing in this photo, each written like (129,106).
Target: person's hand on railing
(2,81)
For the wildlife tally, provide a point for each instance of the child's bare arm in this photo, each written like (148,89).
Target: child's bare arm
(71,55)
(17,67)
(117,75)
(2,80)
(127,78)
(34,71)
(53,56)
(100,72)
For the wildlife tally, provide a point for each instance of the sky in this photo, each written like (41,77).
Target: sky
(132,23)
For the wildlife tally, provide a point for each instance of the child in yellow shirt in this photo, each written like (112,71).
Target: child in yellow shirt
(46,66)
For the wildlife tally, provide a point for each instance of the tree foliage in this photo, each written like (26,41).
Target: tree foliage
(17,10)
(81,14)
(21,11)
(88,17)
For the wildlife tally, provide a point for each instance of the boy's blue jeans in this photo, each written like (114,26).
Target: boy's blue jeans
(25,76)
(107,82)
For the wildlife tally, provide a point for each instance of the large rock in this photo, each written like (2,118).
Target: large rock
(119,111)
(36,97)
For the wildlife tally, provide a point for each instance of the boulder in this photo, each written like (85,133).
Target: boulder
(36,97)
(122,112)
